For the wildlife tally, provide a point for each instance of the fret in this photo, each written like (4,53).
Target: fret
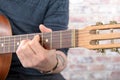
(60,39)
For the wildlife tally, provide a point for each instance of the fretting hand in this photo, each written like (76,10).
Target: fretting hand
(32,55)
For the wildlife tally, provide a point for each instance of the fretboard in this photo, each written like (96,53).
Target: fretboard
(50,40)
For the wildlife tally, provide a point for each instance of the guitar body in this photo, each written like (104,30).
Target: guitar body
(5,59)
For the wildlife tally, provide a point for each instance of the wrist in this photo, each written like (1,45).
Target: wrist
(53,69)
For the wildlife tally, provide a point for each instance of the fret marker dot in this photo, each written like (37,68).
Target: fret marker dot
(18,43)
(46,40)
(2,44)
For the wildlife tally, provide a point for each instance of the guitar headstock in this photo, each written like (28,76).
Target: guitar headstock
(100,36)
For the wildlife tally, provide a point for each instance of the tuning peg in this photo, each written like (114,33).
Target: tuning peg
(118,52)
(115,50)
(99,23)
(101,51)
(113,22)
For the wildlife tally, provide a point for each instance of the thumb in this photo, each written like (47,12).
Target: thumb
(44,28)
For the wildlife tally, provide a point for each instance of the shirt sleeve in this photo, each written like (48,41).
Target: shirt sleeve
(57,16)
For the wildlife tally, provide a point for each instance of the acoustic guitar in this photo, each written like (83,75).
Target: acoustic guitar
(89,37)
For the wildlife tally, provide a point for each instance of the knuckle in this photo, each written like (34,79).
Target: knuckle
(23,48)
(31,43)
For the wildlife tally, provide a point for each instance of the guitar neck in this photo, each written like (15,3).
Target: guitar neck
(50,40)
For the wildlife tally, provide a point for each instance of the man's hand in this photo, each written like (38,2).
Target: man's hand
(32,55)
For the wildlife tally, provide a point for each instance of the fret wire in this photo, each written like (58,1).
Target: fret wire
(60,39)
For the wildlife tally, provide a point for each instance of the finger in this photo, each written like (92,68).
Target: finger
(44,29)
(19,51)
(35,45)
(26,56)
(23,42)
